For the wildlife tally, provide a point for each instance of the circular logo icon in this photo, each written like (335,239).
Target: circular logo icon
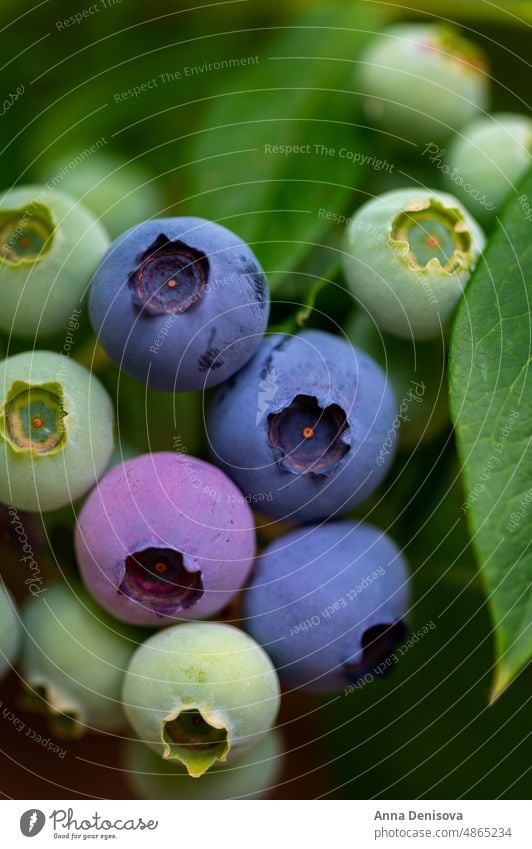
(32,822)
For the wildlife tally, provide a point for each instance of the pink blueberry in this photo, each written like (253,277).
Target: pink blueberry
(165,537)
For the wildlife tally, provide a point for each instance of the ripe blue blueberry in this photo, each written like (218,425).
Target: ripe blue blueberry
(408,257)
(422,81)
(10,633)
(200,694)
(329,604)
(163,537)
(250,777)
(56,430)
(487,159)
(301,428)
(49,247)
(74,657)
(179,303)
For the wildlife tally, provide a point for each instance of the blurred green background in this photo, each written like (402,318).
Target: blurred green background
(194,133)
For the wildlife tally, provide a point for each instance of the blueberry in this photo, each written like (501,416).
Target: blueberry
(10,633)
(422,81)
(179,303)
(201,693)
(250,777)
(163,537)
(119,192)
(74,657)
(487,159)
(408,257)
(301,428)
(329,604)
(56,430)
(49,247)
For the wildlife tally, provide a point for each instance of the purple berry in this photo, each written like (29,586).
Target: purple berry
(179,303)
(302,429)
(165,537)
(328,604)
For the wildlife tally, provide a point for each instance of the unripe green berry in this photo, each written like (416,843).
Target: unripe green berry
(201,693)
(50,245)
(487,159)
(56,430)
(10,633)
(250,777)
(408,256)
(73,661)
(422,81)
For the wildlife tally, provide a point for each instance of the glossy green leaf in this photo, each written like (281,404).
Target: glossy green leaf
(491,405)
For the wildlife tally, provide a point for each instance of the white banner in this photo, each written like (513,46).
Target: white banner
(257,824)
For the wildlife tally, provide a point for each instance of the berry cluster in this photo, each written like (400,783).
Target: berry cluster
(166,537)
(300,427)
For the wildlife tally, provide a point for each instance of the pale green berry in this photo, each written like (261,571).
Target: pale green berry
(201,693)
(408,257)
(56,430)
(50,245)
(252,776)
(422,81)
(10,633)
(487,160)
(73,661)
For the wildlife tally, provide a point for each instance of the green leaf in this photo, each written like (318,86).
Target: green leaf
(491,407)
(280,153)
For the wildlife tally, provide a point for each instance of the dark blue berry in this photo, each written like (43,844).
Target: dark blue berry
(306,428)
(179,303)
(329,604)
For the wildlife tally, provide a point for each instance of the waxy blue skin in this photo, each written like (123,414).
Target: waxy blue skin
(180,351)
(314,593)
(320,366)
